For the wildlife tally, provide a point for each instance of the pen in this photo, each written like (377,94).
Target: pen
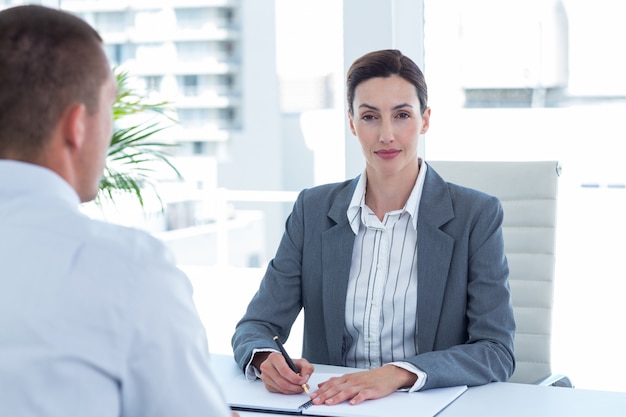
(292,365)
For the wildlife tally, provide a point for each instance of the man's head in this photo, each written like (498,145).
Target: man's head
(56,92)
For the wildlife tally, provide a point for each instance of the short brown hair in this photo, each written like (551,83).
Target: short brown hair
(49,60)
(385,63)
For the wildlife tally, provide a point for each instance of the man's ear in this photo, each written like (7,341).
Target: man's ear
(74,125)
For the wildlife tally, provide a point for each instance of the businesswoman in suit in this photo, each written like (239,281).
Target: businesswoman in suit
(398,272)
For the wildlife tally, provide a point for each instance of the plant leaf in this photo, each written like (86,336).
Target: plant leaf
(134,152)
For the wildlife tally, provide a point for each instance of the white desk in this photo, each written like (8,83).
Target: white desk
(513,400)
(523,400)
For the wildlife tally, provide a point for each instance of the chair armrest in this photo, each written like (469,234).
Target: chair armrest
(555,380)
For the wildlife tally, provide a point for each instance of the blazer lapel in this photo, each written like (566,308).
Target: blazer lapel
(434,253)
(337,243)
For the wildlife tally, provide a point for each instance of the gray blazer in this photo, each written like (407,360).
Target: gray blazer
(465,322)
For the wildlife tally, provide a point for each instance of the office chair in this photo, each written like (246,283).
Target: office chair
(528,193)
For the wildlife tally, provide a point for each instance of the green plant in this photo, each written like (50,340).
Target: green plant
(134,154)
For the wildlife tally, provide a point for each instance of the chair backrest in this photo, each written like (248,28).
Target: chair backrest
(528,193)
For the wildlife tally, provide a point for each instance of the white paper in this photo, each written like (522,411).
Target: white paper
(243,394)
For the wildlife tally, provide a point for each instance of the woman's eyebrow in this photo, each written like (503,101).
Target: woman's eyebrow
(399,106)
(368,106)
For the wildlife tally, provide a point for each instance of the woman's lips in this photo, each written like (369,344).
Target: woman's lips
(387,153)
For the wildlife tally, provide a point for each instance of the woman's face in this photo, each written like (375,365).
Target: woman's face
(388,123)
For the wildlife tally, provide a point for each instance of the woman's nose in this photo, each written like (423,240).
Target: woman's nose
(386,132)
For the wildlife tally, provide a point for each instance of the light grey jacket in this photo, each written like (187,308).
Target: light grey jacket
(465,317)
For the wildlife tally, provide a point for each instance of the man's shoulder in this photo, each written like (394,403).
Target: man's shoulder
(122,240)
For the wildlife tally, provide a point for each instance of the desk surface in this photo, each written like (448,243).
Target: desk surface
(516,400)
(524,400)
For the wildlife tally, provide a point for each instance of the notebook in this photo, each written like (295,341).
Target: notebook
(245,395)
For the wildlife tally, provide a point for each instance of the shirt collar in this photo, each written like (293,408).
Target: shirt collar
(25,178)
(355,208)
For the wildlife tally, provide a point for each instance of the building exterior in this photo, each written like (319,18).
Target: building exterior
(197,54)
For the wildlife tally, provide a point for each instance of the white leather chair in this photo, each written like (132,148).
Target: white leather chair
(528,193)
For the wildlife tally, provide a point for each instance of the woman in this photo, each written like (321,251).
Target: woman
(398,271)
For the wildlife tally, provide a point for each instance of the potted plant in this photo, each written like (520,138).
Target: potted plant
(135,153)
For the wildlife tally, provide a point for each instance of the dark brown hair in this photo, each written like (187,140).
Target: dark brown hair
(49,60)
(385,63)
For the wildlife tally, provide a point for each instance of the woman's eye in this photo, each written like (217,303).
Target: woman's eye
(367,117)
(404,115)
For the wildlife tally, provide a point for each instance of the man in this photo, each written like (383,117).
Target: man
(95,319)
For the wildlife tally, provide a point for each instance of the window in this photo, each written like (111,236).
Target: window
(153,83)
(227,15)
(119,53)
(190,85)
(111,22)
(192,18)
(193,117)
(226,80)
(194,51)
(199,148)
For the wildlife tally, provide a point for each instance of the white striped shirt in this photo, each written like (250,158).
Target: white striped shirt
(381,304)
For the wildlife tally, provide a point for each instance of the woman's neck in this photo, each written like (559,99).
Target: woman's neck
(385,194)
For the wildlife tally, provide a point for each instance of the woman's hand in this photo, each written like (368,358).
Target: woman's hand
(360,386)
(278,377)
